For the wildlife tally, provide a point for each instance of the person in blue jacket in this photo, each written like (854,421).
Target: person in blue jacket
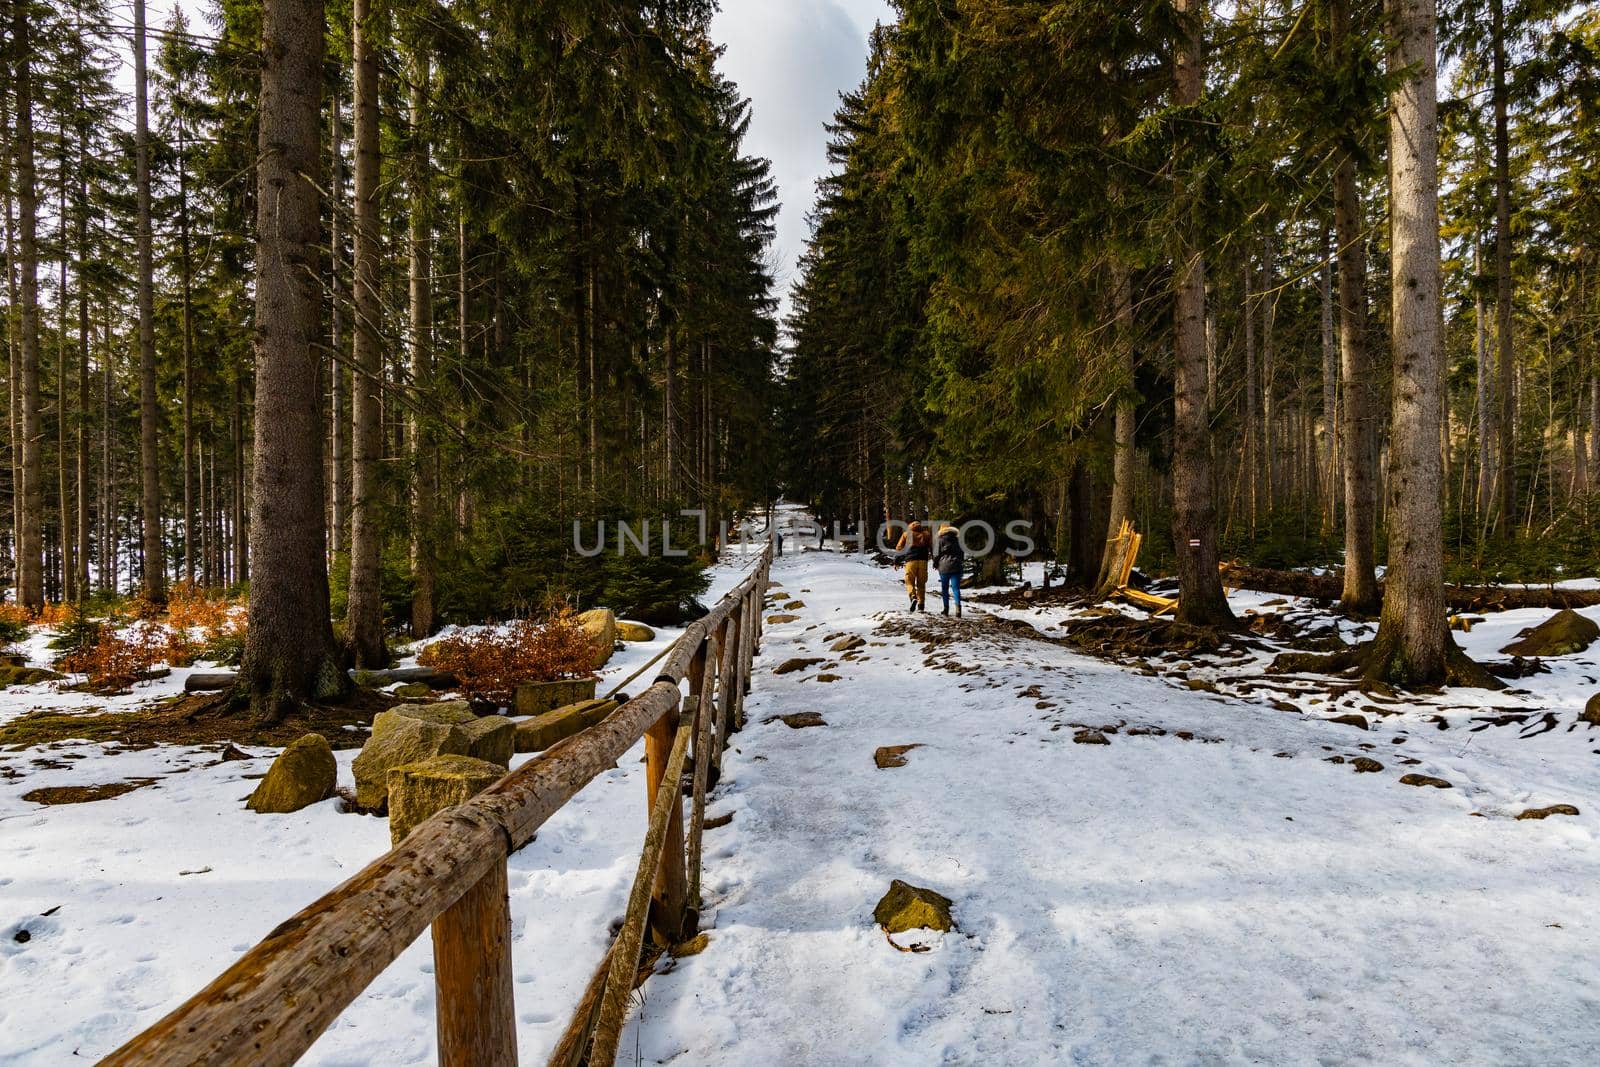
(948,560)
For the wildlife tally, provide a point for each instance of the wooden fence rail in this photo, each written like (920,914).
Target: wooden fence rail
(450,873)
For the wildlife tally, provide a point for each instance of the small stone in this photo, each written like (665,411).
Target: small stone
(411,691)
(827,678)
(1545,813)
(1591,711)
(1366,765)
(1333,759)
(847,644)
(719,822)
(1424,779)
(1200,685)
(799,720)
(303,774)
(1089,737)
(1351,720)
(794,605)
(775,620)
(908,907)
(799,663)
(892,756)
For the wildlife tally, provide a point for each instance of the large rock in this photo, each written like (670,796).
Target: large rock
(444,713)
(418,791)
(634,631)
(403,740)
(492,739)
(303,774)
(1561,634)
(542,731)
(600,626)
(908,907)
(535,698)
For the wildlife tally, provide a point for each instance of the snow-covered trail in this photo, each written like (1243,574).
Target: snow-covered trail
(1227,898)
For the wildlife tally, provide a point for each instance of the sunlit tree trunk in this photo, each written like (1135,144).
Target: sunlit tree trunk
(290,656)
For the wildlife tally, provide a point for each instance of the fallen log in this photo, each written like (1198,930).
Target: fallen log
(211,681)
(1459,597)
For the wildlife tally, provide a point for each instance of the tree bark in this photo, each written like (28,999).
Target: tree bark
(1360,438)
(30,531)
(364,612)
(1123,443)
(1412,636)
(186,281)
(1504,354)
(1328,454)
(339,483)
(1194,533)
(154,586)
(290,655)
(424,504)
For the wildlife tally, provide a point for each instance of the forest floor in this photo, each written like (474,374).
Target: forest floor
(1217,883)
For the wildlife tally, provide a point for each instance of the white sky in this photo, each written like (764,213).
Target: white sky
(792,58)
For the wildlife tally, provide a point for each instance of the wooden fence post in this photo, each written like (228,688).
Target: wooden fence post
(476,1009)
(705,709)
(669,899)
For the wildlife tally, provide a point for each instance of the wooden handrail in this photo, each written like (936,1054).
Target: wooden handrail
(278,998)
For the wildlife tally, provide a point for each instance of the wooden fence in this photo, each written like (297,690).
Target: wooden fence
(450,872)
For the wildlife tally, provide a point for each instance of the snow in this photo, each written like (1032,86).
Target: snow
(1227,899)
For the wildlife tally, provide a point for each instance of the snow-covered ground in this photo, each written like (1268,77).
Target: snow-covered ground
(1228,897)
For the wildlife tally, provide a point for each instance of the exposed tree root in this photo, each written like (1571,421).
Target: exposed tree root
(1381,670)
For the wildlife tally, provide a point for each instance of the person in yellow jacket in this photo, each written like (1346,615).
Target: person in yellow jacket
(915,546)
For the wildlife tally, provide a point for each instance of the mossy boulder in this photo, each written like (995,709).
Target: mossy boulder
(634,631)
(17,675)
(418,791)
(444,713)
(1561,634)
(403,740)
(536,698)
(492,739)
(542,731)
(303,774)
(908,907)
(600,627)
(412,690)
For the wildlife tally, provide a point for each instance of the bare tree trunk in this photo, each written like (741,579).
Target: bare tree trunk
(65,512)
(155,570)
(30,533)
(1194,527)
(339,483)
(364,614)
(424,500)
(1486,409)
(1252,393)
(186,280)
(1360,394)
(290,656)
(1328,439)
(1503,310)
(1270,445)
(82,238)
(1412,634)
(1122,452)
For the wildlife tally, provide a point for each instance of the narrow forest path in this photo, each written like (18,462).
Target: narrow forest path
(1209,891)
